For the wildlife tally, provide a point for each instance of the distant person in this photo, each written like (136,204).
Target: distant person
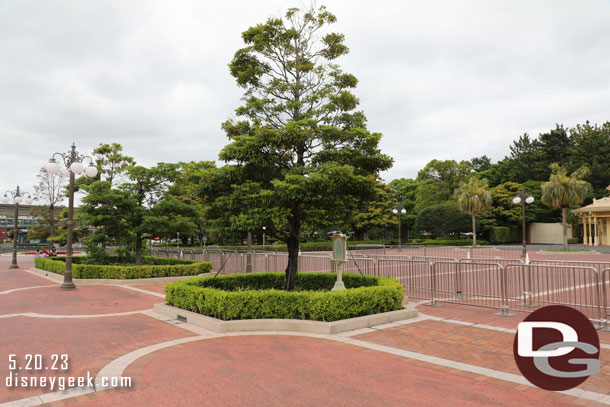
(54,251)
(37,253)
(45,253)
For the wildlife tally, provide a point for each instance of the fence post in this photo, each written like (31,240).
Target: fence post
(528,293)
(433,302)
(604,296)
(504,293)
(458,279)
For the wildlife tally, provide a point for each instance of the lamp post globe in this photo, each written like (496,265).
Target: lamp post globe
(52,166)
(523,198)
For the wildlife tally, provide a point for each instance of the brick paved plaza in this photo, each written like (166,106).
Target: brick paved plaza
(453,355)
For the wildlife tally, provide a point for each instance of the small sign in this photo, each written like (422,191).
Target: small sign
(339,247)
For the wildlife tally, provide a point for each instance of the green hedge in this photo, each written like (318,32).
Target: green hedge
(122,261)
(573,240)
(260,295)
(123,272)
(499,235)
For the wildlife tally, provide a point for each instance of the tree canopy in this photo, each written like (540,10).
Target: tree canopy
(300,155)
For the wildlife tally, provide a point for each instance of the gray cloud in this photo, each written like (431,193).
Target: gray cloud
(440,79)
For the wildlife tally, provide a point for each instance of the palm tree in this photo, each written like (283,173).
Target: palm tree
(474,198)
(562,191)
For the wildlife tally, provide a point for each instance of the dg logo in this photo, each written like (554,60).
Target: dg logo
(556,348)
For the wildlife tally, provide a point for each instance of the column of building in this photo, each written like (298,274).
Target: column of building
(585,230)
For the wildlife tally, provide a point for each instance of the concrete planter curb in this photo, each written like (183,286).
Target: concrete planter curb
(284,325)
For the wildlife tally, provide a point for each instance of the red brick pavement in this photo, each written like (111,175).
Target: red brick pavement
(154,287)
(479,315)
(472,345)
(90,343)
(86,299)
(10,280)
(294,371)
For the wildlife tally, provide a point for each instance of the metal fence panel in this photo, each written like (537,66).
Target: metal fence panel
(414,275)
(479,284)
(605,298)
(433,259)
(597,265)
(502,262)
(537,285)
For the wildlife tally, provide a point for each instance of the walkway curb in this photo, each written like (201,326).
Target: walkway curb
(285,325)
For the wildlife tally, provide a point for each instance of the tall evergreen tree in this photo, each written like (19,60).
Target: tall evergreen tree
(301,153)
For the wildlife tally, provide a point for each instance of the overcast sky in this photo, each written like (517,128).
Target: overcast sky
(439,79)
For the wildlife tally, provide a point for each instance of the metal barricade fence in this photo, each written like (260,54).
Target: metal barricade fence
(597,265)
(278,262)
(605,298)
(433,259)
(389,256)
(479,284)
(364,265)
(314,264)
(501,262)
(537,285)
(414,275)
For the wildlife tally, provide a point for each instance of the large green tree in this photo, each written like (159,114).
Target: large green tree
(473,198)
(375,213)
(442,220)
(563,190)
(438,180)
(301,154)
(591,147)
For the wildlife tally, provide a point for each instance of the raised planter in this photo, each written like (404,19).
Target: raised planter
(260,296)
(285,325)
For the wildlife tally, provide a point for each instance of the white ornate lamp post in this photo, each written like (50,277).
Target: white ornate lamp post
(398,211)
(73,162)
(264,229)
(17,196)
(523,198)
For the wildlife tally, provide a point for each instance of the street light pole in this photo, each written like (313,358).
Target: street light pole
(74,164)
(398,211)
(17,198)
(523,198)
(264,229)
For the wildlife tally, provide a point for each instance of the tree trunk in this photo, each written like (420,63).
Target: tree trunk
(138,248)
(293,254)
(474,230)
(565,228)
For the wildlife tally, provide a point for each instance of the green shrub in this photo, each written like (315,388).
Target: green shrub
(499,235)
(157,267)
(573,240)
(127,261)
(260,295)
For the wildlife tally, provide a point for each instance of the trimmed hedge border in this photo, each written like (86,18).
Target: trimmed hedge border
(183,268)
(260,296)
